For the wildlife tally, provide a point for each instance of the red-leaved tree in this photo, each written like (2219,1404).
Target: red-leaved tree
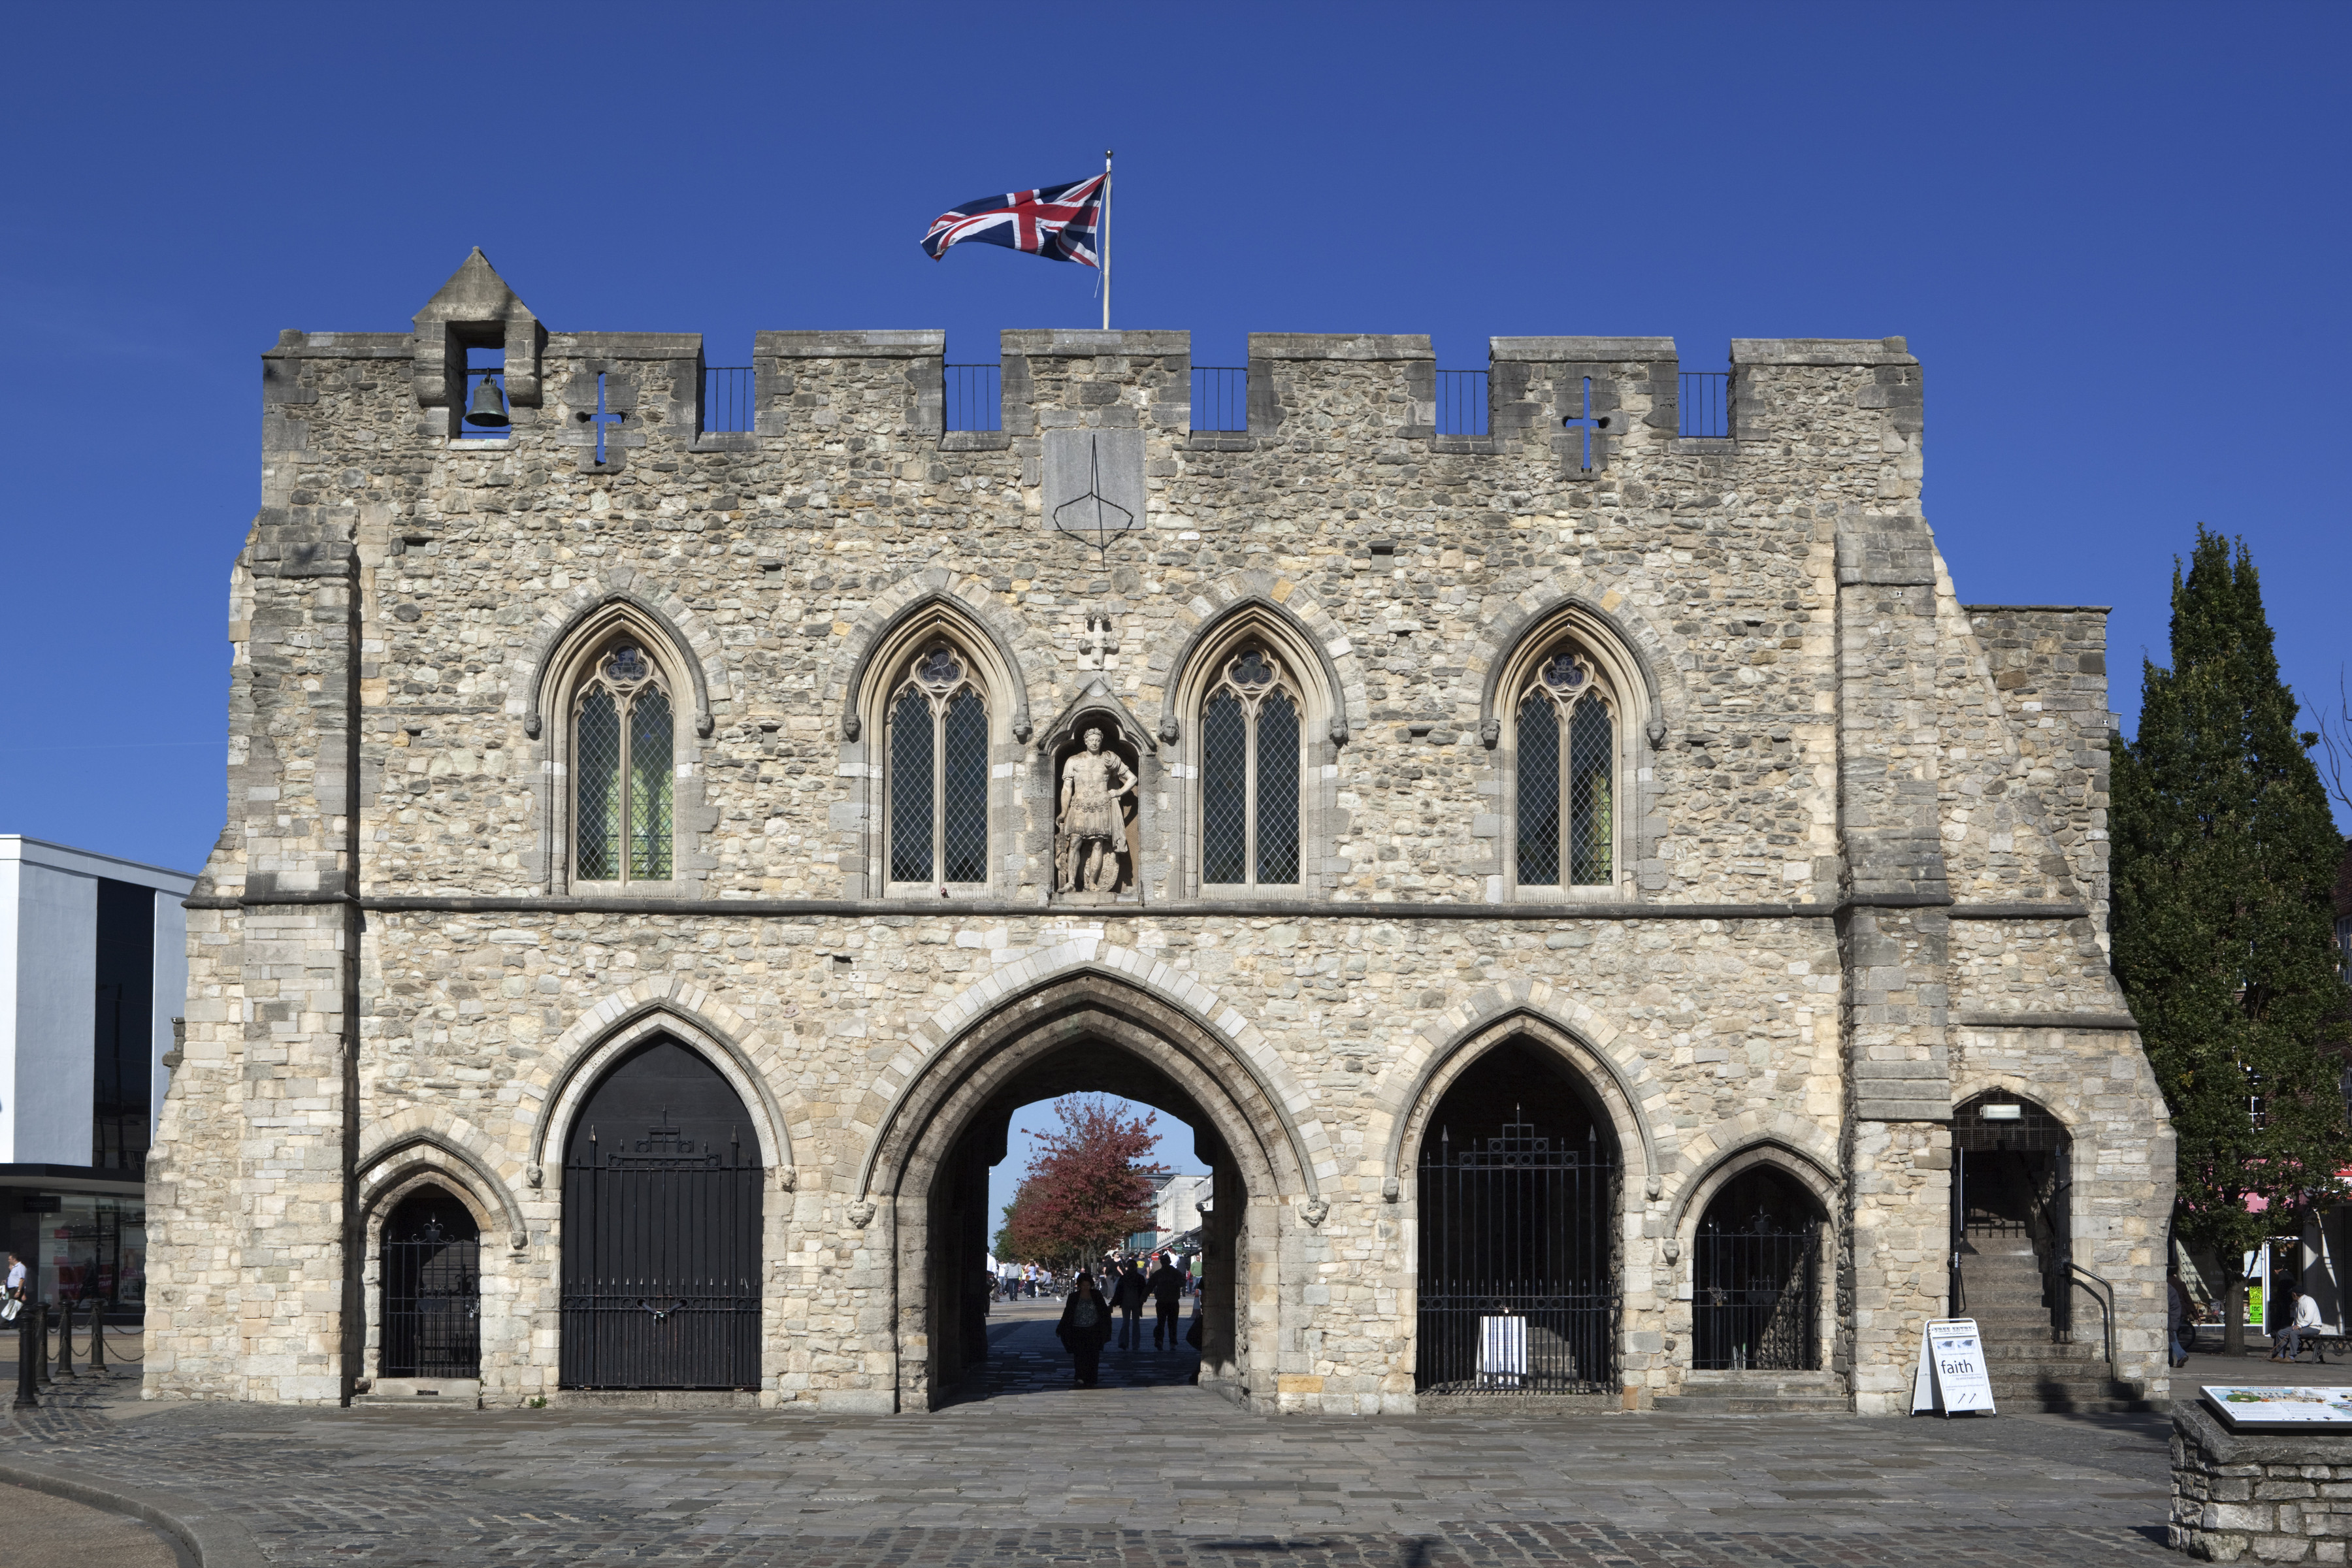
(1085,1192)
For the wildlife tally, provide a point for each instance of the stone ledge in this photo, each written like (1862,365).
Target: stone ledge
(212,1538)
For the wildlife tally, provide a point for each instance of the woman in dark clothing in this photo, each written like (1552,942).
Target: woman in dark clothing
(1085,1325)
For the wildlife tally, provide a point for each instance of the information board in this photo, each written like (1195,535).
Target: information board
(2244,1409)
(1953,1377)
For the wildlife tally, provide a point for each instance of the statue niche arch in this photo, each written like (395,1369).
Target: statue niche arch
(1078,1033)
(662,1207)
(1519,1186)
(1098,764)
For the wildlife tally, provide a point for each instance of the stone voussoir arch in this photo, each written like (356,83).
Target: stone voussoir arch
(1566,598)
(437,1142)
(967,598)
(924,1072)
(559,1082)
(1590,1042)
(693,639)
(1287,605)
(1788,1142)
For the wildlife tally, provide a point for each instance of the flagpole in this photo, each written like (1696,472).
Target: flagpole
(1106,239)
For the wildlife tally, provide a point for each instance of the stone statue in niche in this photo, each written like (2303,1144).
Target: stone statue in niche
(1092,832)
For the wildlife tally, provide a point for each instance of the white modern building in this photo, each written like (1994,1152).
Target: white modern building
(93,970)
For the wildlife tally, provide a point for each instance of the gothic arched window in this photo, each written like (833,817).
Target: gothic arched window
(1566,745)
(938,781)
(1250,731)
(623,741)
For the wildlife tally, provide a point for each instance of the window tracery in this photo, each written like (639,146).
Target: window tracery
(1249,773)
(624,781)
(1566,749)
(938,780)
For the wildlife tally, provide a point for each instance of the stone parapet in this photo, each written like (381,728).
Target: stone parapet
(2262,1497)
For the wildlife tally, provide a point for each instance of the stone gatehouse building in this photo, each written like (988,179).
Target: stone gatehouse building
(1581,882)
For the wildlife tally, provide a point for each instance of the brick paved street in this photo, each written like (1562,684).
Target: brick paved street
(1147,1472)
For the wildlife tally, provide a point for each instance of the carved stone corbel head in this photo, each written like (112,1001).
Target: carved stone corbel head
(1315,1211)
(1391,1190)
(1167,731)
(1490,733)
(860,1214)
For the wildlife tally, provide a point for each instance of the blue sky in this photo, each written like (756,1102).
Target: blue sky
(2115,233)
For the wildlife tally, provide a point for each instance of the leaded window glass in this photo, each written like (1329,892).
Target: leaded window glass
(1250,774)
(1566,746)
(623,796)
(938,785)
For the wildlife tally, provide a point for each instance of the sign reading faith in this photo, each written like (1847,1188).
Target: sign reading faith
(2266,1409)
(1952,1376)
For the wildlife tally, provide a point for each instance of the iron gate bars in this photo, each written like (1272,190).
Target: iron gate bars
(432,1305)
(1754,1297)
(1519,1275)
(661,1264)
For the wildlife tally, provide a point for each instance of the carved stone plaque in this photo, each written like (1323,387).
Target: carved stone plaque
(1094,483)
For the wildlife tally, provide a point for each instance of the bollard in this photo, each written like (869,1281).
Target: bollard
(39,1312)
(64,1340)
(28,1397)
(96,1361)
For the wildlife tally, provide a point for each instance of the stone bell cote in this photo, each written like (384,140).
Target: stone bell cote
(474,310)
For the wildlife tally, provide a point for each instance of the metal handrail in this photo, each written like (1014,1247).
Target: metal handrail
(2107,1313)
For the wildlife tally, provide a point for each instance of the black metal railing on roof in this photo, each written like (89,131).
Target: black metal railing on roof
(1462,402)
(975,397)
(1220,397)
(1706,404)
(726,399)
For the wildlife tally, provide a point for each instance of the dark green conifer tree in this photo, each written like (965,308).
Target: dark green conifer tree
(2224,854)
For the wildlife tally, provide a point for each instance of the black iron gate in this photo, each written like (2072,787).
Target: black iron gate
(432,1304)
(1519,1273)
(1756,1289)
(661,1264)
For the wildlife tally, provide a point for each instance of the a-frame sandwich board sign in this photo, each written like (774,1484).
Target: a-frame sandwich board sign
(1953,1378)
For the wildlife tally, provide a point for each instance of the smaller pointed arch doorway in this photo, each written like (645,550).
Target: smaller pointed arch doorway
(431,1295)
(662,1198)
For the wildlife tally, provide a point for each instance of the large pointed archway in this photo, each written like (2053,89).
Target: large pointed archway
(1085,1031)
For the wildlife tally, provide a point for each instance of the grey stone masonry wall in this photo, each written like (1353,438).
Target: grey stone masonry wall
(1853,876)
(2266,1497)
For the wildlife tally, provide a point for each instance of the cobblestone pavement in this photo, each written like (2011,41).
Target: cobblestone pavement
(1144,1472)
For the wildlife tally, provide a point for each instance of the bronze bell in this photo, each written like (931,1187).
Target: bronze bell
(488,408)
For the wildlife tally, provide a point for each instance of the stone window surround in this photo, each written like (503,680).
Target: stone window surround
(881,673)
(566,669)
(1322,727)
(1632,710)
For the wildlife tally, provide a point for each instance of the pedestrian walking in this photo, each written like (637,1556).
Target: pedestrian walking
(2178,1309)
(1167,1301)
(1132,1291)
(1085,1325)
(12,1295)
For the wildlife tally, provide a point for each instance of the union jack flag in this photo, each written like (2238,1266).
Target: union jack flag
(1057,221)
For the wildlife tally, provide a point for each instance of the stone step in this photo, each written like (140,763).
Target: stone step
(1789,1405)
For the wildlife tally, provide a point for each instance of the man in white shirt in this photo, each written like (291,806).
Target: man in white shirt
(14,1291)
(2306,1321)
